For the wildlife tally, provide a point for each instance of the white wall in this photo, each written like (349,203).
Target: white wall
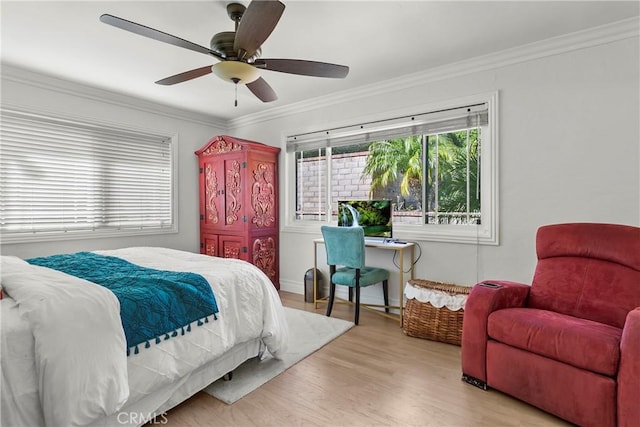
(568,151)
(45,94)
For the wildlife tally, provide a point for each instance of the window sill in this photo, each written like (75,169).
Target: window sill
(471,234)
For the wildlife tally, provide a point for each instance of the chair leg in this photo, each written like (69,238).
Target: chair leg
(357,303)
(357,287)
(332,293)
(332,289)
(350,294)
(385,293)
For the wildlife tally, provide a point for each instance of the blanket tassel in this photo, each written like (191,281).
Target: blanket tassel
(168,335)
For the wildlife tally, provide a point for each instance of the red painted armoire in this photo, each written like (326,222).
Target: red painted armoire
(239,202)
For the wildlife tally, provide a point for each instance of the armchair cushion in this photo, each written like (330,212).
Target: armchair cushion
(577,342)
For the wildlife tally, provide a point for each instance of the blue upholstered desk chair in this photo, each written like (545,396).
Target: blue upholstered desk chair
(345,247)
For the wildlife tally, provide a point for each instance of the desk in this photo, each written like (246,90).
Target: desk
(400,248)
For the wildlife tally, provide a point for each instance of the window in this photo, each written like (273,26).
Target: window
(438,168)
(311,171)
(63,178)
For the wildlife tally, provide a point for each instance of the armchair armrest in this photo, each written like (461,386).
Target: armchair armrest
(482,301)
(629,371)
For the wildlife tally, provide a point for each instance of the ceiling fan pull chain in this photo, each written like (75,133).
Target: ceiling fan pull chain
(235,83)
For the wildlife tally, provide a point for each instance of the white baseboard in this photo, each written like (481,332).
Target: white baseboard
(292,286)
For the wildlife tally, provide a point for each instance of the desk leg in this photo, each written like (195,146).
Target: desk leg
(412,259)
(315,278)
(401,291)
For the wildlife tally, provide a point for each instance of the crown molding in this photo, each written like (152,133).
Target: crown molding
(596,36)
(33,78)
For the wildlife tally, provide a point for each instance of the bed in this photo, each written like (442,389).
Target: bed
(64,358)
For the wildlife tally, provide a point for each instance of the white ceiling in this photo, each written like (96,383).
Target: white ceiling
(378,40)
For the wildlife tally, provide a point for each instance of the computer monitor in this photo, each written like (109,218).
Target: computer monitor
(374,216)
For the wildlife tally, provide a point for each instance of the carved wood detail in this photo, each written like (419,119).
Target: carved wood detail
(231,252)
(210,248)
(263,195)
(233,190)
(211,186)
(264,255)
(221,146)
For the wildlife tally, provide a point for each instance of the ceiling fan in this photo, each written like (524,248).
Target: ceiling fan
(238,51)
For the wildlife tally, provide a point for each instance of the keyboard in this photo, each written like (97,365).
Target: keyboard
(382,241)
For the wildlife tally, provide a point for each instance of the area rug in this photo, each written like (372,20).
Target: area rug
(308,332)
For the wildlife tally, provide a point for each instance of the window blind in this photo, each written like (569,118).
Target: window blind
(420,124)
(59,176)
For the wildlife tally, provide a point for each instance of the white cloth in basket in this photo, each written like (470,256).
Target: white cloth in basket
(436,298)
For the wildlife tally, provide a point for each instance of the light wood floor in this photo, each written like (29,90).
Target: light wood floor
(373,375)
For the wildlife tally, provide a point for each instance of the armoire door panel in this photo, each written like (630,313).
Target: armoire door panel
(233,247)
(233,192)
(264,255)
(263,194)
(209,244)
(211,194)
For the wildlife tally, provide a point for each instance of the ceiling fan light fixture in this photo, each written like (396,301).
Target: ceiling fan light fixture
(236,72)
(239,51)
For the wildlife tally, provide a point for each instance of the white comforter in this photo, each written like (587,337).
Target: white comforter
(79,371)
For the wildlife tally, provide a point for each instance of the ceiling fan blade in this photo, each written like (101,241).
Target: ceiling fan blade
(257,23)
(152,33)
(187,75)
(262,90)
(302,67)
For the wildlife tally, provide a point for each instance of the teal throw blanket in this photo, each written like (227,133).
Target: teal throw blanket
(153,303)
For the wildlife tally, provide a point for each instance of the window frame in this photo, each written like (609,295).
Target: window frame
(64,235)
(485,233)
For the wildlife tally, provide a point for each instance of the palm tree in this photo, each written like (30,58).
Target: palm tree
(454,182)
(388,160)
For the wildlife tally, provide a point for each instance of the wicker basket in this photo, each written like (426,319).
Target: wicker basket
(423,320)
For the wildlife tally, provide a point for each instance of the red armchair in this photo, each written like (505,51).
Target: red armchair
(569,343)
